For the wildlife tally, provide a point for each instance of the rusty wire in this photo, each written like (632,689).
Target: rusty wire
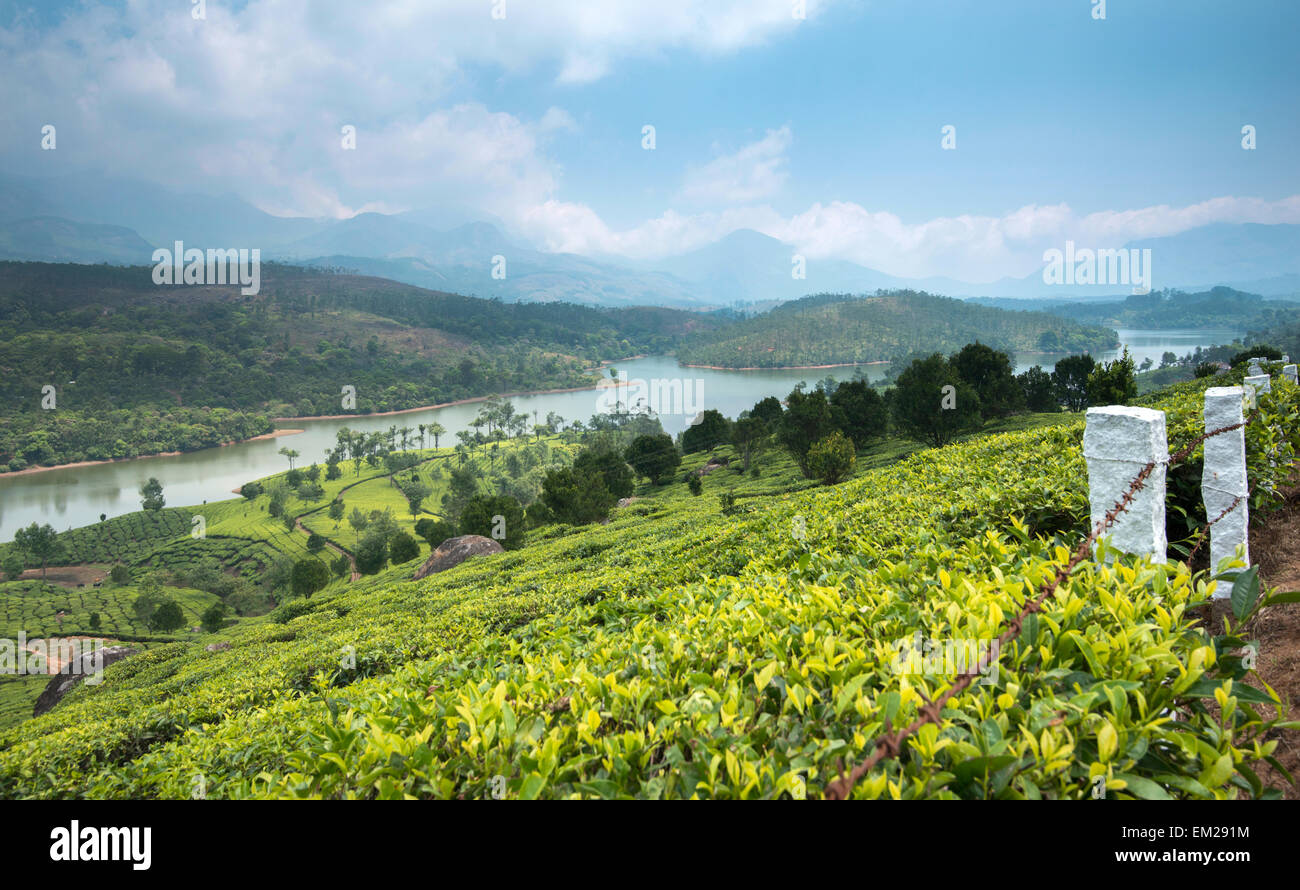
(891,744)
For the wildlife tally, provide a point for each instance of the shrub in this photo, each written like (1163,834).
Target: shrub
(832,459)
(402,548)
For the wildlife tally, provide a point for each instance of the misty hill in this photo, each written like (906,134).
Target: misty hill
(53,238)
(1216,307)
(126,341)
(839,329)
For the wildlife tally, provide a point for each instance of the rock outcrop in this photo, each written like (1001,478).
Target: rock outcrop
(453,551)
(63,682)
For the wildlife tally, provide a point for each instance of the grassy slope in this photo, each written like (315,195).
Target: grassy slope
(515,660)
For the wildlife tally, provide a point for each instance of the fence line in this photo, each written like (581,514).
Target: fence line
(891,745)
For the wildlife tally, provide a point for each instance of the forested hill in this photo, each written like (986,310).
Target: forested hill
(1217,307)
(135,365)
(826,329)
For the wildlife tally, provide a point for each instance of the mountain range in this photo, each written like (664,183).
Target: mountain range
(89,218)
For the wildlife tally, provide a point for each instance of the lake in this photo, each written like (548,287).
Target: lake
(74,496)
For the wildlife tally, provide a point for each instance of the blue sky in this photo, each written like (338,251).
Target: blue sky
(824,132)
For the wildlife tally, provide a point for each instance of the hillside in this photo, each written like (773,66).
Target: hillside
(829,329)
(1218,307)
(686,650)
(135,366)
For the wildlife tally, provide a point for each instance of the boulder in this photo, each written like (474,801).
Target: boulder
(217,647)
(453,551)
(63,682)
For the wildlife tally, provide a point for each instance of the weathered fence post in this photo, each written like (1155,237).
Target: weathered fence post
(1261,382)
(1223,477)
(1289,372)
(1118,442)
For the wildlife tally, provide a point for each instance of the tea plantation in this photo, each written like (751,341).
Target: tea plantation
(693,647)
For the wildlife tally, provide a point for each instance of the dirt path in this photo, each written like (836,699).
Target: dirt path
(332,546)
(1276,546)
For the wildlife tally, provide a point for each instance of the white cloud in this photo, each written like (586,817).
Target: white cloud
(754,172)
(254,95)
(971,248)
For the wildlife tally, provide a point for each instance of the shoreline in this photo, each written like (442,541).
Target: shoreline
(789,367)
(601,384)
(274,434)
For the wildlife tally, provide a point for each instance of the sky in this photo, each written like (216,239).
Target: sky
(819,123)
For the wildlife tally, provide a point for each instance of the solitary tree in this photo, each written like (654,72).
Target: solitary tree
(151,495)
(167,617)
(309,576)
(290,454)
(40,543)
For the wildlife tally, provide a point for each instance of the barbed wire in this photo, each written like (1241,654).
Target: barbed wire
(891,744)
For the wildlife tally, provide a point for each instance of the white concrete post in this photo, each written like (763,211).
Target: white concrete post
(1118,441)
(1223,477)
(1289,372)
(1261,382)
(1254,370)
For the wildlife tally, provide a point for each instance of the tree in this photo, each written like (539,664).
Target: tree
(462,485)
(1113,383)
(341,565)
(435,531)
(213,617)
(402,548)
(858,411)
(148,600)
(832,459)
(575,498)
(932,403)
(415,492)
(748,434)
(290,454)
(13,565)
(807,419)
(119,574)
(250,490)
(41,544)
(372,552)
(609,466)
(167,617)
(653,456)
(315,543)
(151,495)
(1039,390)
(989,372)
(95,622)
(358,521)
(436,430)
(336,510)
(767,410)
(695,484)
(1071,378)
(499,517)
(309,576)
(711,430)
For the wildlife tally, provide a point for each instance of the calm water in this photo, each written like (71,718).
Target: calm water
(75,496)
